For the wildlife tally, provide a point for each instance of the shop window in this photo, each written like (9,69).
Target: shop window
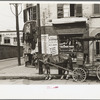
(97,9)
(67,44)
(7,40)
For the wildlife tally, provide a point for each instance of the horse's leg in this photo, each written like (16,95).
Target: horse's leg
(46,72)
(49,73)
(62,76)
(67,76)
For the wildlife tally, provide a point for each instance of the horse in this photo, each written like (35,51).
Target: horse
(64,61)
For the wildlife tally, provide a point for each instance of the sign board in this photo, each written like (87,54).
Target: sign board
(49,44)
(53,45)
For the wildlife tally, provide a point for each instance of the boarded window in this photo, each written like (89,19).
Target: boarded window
(60,13)
(96,8)
(78,10)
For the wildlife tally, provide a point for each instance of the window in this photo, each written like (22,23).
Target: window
(0,38)
(78,8)
(15,39)
(72,10)
(34,13)
(21,39)
(7,40)
(25,15)
(66,10)
(30,13)
(97,9)
(60,11)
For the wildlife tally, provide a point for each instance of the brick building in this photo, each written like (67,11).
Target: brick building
(60,22)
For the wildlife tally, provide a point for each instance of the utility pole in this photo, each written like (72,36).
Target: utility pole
(18,38)
(17,30)
(39,28)
(39,39)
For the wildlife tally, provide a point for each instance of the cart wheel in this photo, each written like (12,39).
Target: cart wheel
(98,72)
(79,74)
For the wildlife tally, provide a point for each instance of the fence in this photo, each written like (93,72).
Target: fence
(8,51)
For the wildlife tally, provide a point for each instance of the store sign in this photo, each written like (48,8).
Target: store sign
(53,45)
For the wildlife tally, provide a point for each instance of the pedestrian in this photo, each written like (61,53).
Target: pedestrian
(29,56)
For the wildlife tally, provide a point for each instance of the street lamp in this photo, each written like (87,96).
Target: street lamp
(17,28)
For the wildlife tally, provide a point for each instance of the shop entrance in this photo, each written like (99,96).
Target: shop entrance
(68,45)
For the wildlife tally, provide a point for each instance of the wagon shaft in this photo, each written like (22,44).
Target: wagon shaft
(57,66)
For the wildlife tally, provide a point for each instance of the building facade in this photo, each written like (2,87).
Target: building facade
(10,38)
(61,22)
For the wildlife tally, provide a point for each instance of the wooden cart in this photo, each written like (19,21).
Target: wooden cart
(87,69)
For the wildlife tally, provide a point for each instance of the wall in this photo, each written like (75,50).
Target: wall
(47,13)
(7,51)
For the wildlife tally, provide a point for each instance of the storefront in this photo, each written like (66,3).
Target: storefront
(67,31)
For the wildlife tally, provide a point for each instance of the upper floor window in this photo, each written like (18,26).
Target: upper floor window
(96,9)
(7,40)
(69,10)
(60,12)
(72,10)
(29,13)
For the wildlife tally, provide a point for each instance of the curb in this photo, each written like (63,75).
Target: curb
(8,59)
(40,77)
(23,77)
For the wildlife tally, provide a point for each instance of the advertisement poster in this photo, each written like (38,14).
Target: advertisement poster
(53,45)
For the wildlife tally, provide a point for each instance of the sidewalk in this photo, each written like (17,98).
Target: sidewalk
(22,72)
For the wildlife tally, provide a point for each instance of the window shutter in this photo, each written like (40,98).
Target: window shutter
(96,9)
(78,10)
(60,13)
(25,15)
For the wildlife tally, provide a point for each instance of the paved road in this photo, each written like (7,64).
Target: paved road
(89,81)
(6,63)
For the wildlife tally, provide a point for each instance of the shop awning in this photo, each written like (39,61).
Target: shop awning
(69,20)
(87,38)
